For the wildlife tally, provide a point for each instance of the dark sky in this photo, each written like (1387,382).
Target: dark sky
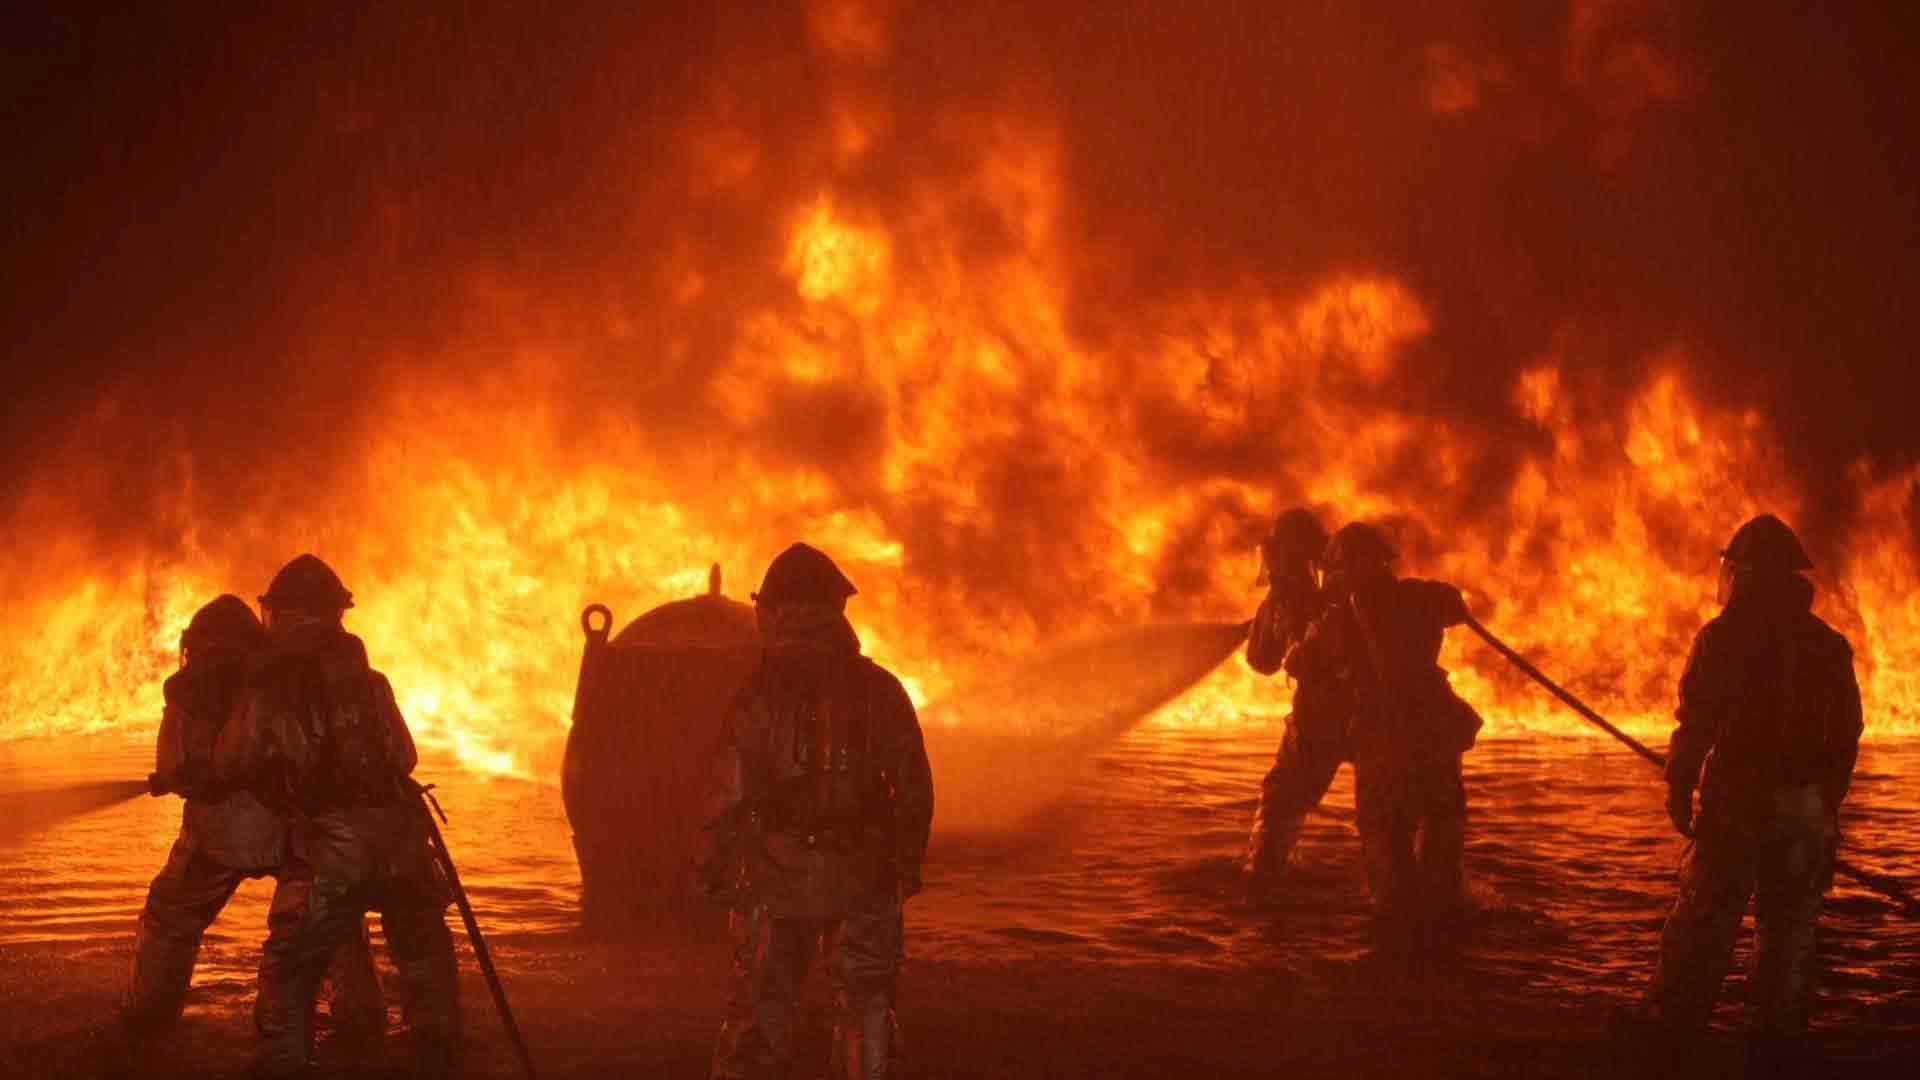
(228,228)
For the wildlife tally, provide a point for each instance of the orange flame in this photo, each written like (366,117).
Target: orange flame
(485,515)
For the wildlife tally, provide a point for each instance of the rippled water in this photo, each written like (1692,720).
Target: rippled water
(1569,854)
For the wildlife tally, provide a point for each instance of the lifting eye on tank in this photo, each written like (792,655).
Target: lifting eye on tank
(606,621)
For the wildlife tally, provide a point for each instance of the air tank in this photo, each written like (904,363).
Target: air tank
(647,714)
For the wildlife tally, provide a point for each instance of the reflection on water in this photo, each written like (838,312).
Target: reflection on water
(1569,853)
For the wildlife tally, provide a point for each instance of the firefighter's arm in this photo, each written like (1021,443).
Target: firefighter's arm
(183,749)
(170,746)
(1267,638)
(245,745)
(1315,656)
(183,764)
(912,780)
(1847,722)
(1437,601)
(721,820)
(405,755)
(1703,698)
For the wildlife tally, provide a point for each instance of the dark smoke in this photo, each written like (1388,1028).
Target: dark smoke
(229,234)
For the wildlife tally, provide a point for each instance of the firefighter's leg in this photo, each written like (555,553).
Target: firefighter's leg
(413,916)
(1386,843)
(730,1049)
(1443,834)
(355,999)
(865,953)
(770,959)
(184,899)
(1792,878)
(1303,770)
(305,926)
(1696,945)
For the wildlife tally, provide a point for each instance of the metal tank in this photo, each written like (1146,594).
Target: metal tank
(646,717)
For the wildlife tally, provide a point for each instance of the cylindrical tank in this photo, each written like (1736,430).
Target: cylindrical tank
(646,718)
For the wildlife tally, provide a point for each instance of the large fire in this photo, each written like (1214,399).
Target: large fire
(995,468)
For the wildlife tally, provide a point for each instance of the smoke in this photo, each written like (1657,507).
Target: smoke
(1055,305)
(235,226)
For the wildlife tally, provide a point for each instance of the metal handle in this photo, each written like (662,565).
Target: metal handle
(606,621)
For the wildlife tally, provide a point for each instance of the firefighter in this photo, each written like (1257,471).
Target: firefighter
(225,837)
(818,821)
(1377,647)
(1315,743)
(317,734)
(1770,713)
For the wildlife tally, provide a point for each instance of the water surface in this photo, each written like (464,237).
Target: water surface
(1569,854)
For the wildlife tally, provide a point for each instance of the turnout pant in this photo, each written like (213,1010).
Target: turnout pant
(1782,862)
(1412,813)
(1311,753)
(186,896)
(770,960)
(313,915)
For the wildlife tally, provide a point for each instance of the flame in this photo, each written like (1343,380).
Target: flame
(835,261)
(990,471)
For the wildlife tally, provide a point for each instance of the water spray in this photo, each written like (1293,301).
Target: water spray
(1008,744)
(31,811)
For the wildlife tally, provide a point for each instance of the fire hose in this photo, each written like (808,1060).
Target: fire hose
(429,806)
(1880,883)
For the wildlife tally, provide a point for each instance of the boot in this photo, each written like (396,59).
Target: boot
(864,1045)
(162,970)
(435,1055)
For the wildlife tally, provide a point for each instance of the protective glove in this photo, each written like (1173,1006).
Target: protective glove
(192,780)
(1455,611)
(1680,810)
(1311,656)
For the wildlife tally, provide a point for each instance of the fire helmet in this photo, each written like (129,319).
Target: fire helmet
(803,574)
(309,585)
(1766,543)
(224,623)
(1357,546)
(1297,533)
(1295,541)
